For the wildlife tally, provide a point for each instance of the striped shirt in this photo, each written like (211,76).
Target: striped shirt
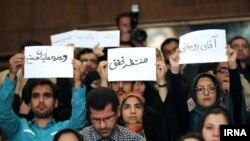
(119,134)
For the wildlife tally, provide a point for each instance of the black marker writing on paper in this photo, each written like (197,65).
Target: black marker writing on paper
(121,62)
(62,39)
(44,57)
(210,44)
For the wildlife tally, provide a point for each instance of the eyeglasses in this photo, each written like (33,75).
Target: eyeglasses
(238,46)
(106,119)
(92,61)
(201,90)
(222,70)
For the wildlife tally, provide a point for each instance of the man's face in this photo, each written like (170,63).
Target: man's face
(90,59)
(125,25)
(104,121)
(169,49)
(121,87)
(42,101)
(242,48)
(222,75)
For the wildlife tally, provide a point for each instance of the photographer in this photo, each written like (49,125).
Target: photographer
(127,24)
(123,23)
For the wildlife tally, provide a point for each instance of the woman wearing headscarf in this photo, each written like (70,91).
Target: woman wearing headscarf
(205,91)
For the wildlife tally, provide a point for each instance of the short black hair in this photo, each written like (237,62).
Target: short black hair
(168,41)
(125,14)
(30,43)
(99,98)
(83,51)
(239,37)
(31,83)
(127,43)
(66,131)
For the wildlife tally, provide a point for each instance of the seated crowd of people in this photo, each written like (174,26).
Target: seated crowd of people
(188,101)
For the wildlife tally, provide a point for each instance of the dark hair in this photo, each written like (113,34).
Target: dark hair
(30,43)
(99,98)
(205,67)
(216,111)
(239,37)
(83,51)
(189,135)
(31,83)
(122,15)
(215,66)
(89,79)
(66,131)
(168,41)
(128,43)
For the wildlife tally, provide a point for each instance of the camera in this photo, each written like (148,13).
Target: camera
(137,35)
(134,15)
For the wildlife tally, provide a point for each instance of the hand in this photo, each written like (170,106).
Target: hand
(161,71)
(24,108)
(15,63)
(174,62)
(225,87)
(79,69)
(232,56)
(98,51)
(102,70)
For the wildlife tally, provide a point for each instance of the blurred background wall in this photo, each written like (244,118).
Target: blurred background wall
(38,19)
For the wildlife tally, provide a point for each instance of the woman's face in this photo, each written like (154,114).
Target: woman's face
(139,87)
(205,92)
(222,74)
(132,110)
(211,127)
(68,137)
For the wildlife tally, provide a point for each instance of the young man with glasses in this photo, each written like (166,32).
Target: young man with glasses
(241,45)
(103,107)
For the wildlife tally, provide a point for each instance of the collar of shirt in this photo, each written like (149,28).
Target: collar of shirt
(49,124)
(114,136)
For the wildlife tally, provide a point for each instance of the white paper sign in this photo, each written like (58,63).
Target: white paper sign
(109,38)
(131,64)
(62,39)
(48,61)
(87,38)
(203,46)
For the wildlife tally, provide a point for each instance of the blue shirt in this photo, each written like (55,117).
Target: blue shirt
(19,129)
